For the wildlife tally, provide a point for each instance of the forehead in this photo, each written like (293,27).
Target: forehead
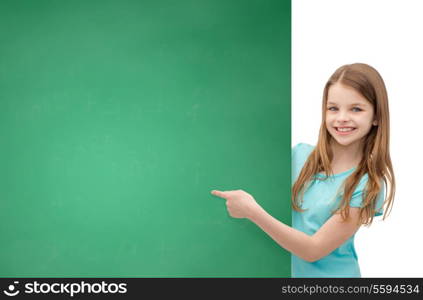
(342,94)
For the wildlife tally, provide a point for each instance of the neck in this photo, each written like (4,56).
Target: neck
(347,156)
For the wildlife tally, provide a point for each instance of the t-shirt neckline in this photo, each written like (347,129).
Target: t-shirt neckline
(337,175)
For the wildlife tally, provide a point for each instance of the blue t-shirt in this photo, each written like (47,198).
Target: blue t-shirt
(320,199)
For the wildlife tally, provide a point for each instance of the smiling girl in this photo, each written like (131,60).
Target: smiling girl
(338,185)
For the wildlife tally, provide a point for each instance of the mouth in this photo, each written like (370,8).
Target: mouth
(344,130)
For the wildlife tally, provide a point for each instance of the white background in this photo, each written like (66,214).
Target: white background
(387,35)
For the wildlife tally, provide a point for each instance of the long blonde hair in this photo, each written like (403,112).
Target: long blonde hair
(376,159)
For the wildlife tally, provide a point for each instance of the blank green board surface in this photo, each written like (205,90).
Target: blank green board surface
(118,118)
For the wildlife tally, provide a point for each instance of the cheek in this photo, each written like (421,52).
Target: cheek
(366,123)
(328,121)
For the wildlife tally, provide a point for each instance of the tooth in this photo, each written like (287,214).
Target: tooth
(345,129)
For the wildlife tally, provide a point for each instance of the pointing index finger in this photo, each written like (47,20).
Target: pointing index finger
(219,194)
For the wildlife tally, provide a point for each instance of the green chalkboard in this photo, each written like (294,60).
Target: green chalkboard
(118,118)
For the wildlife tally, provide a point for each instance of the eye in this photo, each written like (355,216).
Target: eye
(356,109)
(332,108)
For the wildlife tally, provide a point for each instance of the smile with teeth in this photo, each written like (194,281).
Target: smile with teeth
(344,129)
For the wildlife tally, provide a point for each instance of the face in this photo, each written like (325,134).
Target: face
(349,116)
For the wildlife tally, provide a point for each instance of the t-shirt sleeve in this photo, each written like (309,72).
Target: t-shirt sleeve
(380,200)
(357,197)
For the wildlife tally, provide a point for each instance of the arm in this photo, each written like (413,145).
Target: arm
(310,248)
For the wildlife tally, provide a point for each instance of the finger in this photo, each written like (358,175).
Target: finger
(219,194)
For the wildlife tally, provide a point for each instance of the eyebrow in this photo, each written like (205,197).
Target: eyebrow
(353,104)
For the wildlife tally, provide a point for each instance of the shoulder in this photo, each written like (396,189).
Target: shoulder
(302,149)
(360,191)
(299,155)
(362,183)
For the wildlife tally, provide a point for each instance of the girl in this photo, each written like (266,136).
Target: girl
(340,184)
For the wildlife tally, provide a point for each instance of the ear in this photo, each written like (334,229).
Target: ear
(374,123)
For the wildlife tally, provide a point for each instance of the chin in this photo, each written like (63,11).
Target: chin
(345,142)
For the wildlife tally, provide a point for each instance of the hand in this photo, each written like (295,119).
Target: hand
(239,203)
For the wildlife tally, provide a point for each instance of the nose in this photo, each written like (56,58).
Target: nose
(343,116)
